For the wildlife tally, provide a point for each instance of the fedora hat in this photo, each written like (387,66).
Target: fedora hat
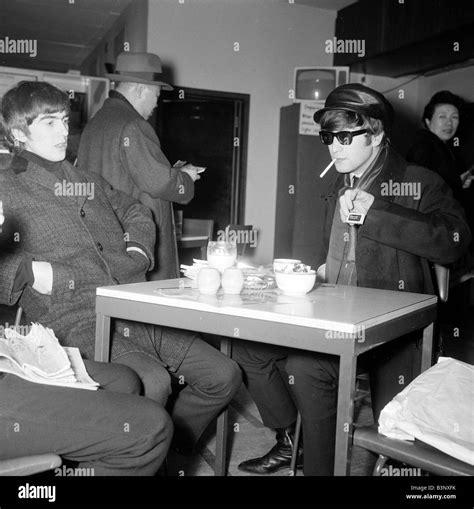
(359,99)
(139,68)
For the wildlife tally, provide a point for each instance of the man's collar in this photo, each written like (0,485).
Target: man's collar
(18,164)
(113,94)
(20,161)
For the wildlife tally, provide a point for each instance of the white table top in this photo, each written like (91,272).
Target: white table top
(339,308)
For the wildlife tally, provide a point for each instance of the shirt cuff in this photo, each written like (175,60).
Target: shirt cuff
(138,250)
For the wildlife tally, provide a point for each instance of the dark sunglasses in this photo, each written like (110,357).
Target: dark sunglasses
(343,137)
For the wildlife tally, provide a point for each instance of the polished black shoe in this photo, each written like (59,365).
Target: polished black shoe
(277,458)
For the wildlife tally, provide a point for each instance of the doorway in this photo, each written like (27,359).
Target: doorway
(208,128)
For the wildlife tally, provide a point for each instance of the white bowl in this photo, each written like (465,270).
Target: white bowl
(282,264)
(295,283)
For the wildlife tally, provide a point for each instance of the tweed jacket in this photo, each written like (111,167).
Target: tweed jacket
(402,235)
(124,149)
(85,242)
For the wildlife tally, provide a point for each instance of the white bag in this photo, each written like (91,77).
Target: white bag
(436,408)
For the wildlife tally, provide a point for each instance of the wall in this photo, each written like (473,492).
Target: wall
(409,99)
(131,28)
(196,39)
(458,81)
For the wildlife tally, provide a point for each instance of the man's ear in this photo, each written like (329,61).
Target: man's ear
(19,135)
(427,122)
(140,89)
(377,139)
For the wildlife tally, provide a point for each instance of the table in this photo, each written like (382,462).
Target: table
(340,320)
(190,241)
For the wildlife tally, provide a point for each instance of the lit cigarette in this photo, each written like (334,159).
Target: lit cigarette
(327,168)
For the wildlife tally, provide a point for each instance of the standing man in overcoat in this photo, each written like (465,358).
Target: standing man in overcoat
(120,145)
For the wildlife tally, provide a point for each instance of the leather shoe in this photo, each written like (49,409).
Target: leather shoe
(277,458)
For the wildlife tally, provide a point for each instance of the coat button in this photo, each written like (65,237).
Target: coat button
(99,246)
(82,213)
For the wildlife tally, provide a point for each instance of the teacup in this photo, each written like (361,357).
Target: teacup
(284,264)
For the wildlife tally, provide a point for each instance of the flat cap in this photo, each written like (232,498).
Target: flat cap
(359,99)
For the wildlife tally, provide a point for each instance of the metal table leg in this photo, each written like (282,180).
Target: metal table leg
(427,347)
(102,338)
(345,411)
(220,467)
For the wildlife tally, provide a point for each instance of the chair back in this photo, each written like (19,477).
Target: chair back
(442,280)
(244,237)
(198,227)
(19,312)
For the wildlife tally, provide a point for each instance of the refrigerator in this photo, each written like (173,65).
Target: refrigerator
(300,203)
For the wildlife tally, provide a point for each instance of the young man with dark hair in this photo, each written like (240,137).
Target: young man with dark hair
(400,234)
(72,232)
(111,431)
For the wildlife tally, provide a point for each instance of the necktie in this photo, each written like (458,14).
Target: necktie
(348,273)
(352,231)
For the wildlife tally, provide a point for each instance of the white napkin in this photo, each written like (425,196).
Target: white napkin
(436,408)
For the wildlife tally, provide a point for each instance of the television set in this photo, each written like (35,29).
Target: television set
(313,84)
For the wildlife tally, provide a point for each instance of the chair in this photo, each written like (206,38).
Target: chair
(196,233)
(242,233)
(28,465)
(417,454)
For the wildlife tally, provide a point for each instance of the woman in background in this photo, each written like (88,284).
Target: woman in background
(432,147)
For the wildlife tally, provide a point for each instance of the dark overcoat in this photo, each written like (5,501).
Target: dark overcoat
(85,242)
(123,148)
(430,152)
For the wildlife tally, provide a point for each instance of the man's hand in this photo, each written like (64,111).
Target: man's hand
(355,201)
(192,171)
(43,273)
(466,178)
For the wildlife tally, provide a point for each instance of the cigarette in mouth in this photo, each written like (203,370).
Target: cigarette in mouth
(327,168)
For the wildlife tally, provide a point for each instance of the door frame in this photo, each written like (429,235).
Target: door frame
(241,128)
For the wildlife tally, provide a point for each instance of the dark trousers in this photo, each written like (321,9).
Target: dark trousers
(309,383)
(112,431)
(205,383)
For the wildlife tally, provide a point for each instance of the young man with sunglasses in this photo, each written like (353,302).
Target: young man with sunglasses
(376,238)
